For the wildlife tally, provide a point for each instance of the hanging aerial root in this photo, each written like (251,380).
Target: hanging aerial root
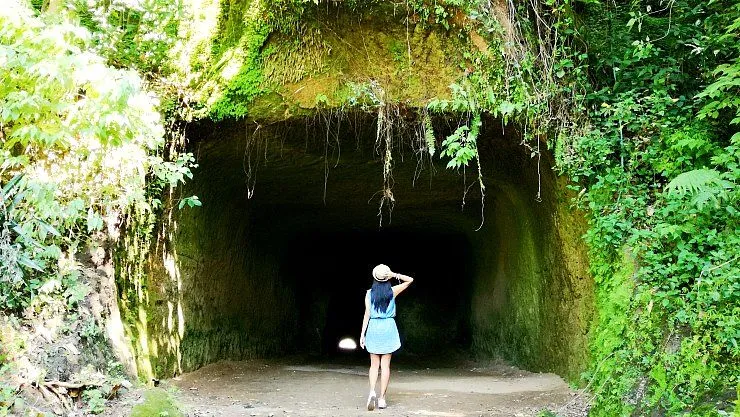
(384,146)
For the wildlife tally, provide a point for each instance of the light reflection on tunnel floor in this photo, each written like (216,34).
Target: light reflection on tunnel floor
(347,344)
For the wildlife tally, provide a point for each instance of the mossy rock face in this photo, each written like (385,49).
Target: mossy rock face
(533,303)
(533,296)
(412,64)
(269,65)
(157,403)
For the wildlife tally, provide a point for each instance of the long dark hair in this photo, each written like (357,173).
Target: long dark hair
(380,295)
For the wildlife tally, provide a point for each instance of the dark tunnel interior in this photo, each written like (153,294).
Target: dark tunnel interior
(335,266)
(278,258)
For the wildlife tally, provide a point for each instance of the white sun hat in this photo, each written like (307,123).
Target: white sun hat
(382,273)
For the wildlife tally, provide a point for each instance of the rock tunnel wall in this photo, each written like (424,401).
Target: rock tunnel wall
(532,296)
(285,271)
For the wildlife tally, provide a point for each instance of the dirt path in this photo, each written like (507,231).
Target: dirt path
(263,388)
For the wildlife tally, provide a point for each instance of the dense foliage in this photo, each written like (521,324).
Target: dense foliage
(658,162)
(76,136)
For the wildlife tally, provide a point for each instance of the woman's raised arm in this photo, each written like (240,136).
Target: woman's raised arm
(405,282)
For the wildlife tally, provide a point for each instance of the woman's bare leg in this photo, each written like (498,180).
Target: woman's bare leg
(374,364)
(385,373)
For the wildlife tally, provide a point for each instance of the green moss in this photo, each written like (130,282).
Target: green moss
(321,53)
(148,299)
(246,85)
(607,335)
(612,301)
(228,341)
(130,259)
(398,51)
(534,300)
(157,403)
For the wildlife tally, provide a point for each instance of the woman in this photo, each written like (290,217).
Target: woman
(379,331)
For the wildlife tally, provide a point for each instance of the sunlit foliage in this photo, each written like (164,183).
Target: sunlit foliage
(78,141)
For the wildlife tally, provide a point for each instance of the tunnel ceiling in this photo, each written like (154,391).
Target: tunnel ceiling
(276,273)
(339,175)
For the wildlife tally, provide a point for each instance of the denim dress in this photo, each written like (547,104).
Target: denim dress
(382,334)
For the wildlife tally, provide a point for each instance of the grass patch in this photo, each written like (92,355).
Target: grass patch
(157,402)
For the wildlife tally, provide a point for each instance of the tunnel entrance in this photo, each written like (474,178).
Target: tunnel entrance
(281,265)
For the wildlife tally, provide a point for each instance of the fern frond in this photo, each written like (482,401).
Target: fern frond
(703,185)
(701,199)
(693,182)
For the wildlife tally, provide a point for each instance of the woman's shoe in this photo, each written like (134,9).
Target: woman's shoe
(372,400)
(381,403)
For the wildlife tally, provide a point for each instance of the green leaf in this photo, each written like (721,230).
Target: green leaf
(27,262)
(94,221)
(48,228)
(507,108)
(13,183)
(192,201)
